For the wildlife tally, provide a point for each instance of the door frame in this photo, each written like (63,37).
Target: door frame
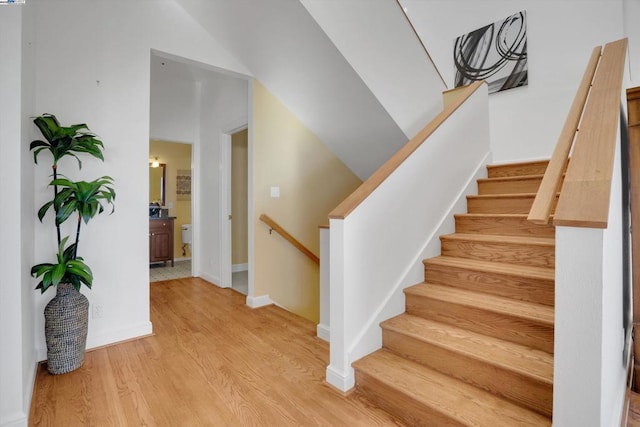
(225,199)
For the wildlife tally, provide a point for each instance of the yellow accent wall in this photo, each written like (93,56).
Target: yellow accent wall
(176,156)
(312,182)
(239,197)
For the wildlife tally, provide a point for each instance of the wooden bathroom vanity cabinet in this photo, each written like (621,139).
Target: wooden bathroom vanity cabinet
(161,240)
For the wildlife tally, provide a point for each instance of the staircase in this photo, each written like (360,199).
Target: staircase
(475,345)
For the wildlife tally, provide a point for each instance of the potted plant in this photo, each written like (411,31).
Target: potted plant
(67,314)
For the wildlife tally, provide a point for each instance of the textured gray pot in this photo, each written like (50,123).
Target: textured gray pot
(66,319)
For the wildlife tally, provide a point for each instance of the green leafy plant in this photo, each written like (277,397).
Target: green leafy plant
(86,199)
(67,269)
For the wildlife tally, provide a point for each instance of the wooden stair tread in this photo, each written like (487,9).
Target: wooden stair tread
(496,238)
(503,196)
(465,403)
(501,223)
(516,169)
(511,178)
(495,215)
(504,354)
(538,313)
(495,267)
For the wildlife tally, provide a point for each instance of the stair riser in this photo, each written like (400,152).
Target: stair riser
(502,227)
(517,387)
(511,328)
(533,168)
(520,288)
(524,185)
(511,253)
(400,404)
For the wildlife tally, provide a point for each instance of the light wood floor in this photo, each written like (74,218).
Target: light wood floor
(212,361)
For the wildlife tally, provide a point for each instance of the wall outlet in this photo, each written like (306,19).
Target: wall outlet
(97,311)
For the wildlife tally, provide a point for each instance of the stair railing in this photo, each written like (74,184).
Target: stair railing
(543,203)
(274,226)
(590,350)
(584,197)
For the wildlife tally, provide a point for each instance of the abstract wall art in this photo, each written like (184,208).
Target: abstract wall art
(496,53)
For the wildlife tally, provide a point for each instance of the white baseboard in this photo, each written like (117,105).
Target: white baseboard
(261,301)
(213,279)
(182,259)
(110,337)
(343,382)
(19,419)
(323,332)
(236,268)
(140,330)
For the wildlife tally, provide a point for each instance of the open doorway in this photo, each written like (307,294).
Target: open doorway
(170,210)
(239,211)
(191,101)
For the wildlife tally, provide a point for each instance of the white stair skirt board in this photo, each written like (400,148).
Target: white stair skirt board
(236,268)
(323,332)
(343,382)
(261,301)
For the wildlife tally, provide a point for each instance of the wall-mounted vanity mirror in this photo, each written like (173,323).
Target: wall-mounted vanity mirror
(157,184)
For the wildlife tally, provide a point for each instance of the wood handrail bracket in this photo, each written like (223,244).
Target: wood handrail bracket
(288,237)
(379,176)
(584,196)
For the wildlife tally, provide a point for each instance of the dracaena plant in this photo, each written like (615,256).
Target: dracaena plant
(86,199)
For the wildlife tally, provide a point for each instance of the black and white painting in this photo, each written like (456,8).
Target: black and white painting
(496,53)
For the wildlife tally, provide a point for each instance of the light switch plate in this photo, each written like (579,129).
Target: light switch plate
(275,191)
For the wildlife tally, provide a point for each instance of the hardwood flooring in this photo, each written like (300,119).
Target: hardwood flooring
(212,361)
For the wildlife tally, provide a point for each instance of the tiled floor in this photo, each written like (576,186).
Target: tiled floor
(158,272)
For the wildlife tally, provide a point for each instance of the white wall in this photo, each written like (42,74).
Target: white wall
(99,73)
(16,371)
(525,122)
(224,104)
(631,11)
(378,42)
(589,370)
(173,110)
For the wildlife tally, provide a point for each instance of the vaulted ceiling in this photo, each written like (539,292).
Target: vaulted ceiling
(287,51)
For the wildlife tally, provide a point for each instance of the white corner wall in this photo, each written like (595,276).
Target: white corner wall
(406,212)
(526,121)
(99,73)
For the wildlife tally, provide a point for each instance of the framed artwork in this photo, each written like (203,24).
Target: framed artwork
(496,53)
(183,185)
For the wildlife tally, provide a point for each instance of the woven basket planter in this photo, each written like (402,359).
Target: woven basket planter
(66,319)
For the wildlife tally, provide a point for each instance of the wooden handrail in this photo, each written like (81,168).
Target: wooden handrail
(541,209)
(361,193)
(584,199)
(288,237)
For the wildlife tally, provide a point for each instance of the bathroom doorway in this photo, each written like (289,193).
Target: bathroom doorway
(174,200)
